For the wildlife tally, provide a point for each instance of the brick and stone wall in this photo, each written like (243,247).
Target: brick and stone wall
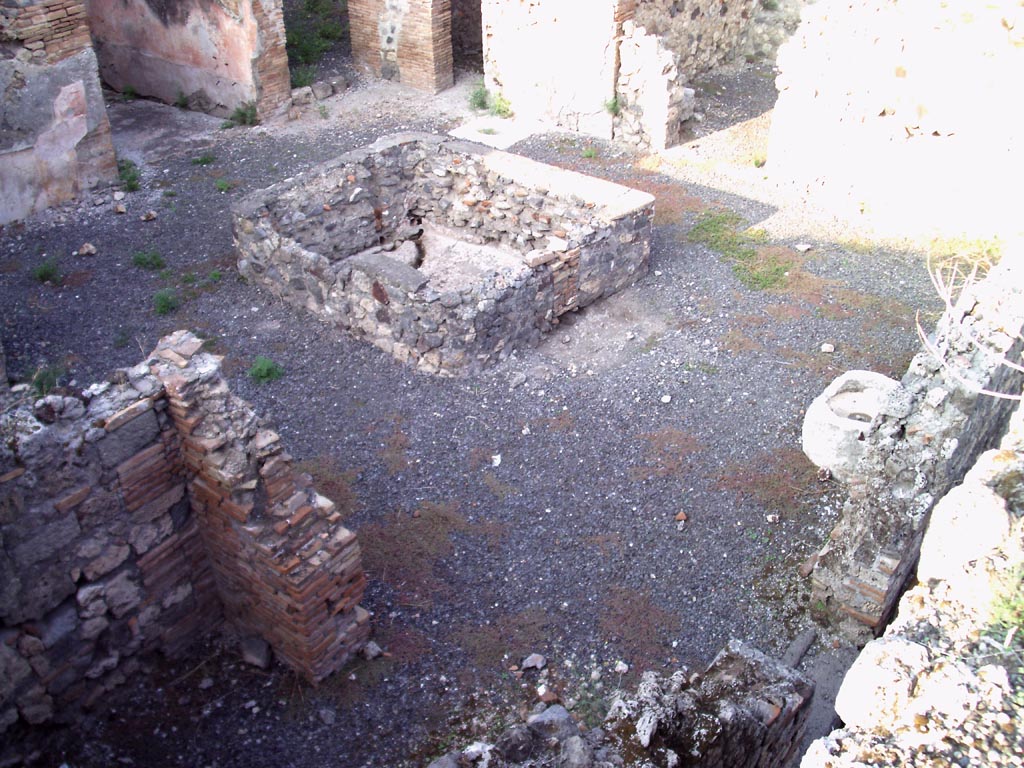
(409,41)
(326,241)
(943,685)
(135,514)
(929,432)
(218,55)
(54,133)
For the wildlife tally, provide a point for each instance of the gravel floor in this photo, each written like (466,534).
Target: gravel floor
(534,507)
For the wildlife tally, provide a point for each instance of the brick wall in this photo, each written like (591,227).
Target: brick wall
(409,41)
(136,514)
(52,29)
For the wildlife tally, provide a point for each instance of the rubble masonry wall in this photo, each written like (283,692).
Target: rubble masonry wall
(136,515)
(576,239)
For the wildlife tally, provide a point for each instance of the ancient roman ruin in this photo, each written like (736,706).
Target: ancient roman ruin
(140,513)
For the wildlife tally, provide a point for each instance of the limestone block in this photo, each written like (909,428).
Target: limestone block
(839,419)
(968,522)
(878,689)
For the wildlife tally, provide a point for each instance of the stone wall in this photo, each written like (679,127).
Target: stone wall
(219,55)
(651,99)
(557,241)
(702,33)
(874,77)
(134,513)
(744,711)
(409,41)
(943,686)
(54,134)
(928,434)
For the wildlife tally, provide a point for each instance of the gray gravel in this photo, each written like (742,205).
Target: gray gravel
(569,546)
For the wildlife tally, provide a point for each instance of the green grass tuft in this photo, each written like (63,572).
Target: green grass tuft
(264,369)
(207,158)
(128,173)
(46,378)
(165,301)
(151,260)
(758,268)
(47,272)
(478,96)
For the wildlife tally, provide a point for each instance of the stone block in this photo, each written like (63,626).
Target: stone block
(128,439)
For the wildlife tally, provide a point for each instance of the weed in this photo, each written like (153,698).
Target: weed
(312,29)
(165,301)
(511,636)
(500,490)
(46,378)
(770,5)
(151,260)
(215,276)
(324,112)
(264,369)
(128,173)
(223,185)
(303,75)
(244,114)
(128,93)
(488,131)
(47,272)
(394,452)
(757,267)
(122,339)
(759,161)
(590,153)
(613,107)
(181,100)
(170,193)
(206,158)
(500,106)
(190,278)
(478,97)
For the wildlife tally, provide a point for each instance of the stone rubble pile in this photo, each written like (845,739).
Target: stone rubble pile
(745,710)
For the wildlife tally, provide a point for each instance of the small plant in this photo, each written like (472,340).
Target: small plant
(170,193)
(500,106)
(756,266)
(206,158)
(165,301)
(613,107)
(264,369)
(46,378)
(122,338)
(47,272)
(128,93)
(312,29)
(488,131)
(215,276)
(590,153)
(478,97)
(244,114)
(324,112)
(770,5)
(759,161)
(151,260)
(190,278)
(128,173)
(223,185)
(303,76)
(181,100)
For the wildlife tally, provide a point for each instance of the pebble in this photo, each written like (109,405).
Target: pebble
(666,399)
(828,349)
(534,661)
(87,249)
(206,683)
(621,667)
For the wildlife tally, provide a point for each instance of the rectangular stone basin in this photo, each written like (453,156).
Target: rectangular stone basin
(447,254)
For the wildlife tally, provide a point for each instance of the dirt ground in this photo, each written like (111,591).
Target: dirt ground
(536,507)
